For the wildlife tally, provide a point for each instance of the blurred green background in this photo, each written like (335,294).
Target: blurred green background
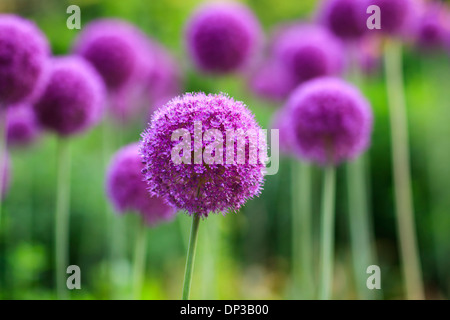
(240,256)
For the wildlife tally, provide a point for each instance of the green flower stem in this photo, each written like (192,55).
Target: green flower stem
(3,123)
(190,257)
(402,174)
(360,226)
(302,262)
(327,233)
(62,217)
(139,259)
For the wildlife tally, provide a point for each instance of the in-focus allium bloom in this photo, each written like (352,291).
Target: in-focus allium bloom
(23,127)
(116,49)
(431,26)
(6,174)
(73,99)
(127,188)
(397,16)
(272,80)
(23,58)
(198,185)
(222,37)
(309,52)
(331,120)
(345,18)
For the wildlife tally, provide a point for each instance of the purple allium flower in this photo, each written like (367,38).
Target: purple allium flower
(397,16)
(6,173)
(272,80)
(222,37)
(165,80)
(127,188)
(73,100)
(282,122)
(369,54)
(345,18)
(431,26)
(196,185)
(23,127)
(309,52)
(24,52)
(116,49)
(330,119)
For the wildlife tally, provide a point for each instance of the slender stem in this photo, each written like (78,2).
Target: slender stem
(139,259)
(62,217)
(302,264)
(402,175)
(360,226)
(3,124)
(327,233)
(190,257)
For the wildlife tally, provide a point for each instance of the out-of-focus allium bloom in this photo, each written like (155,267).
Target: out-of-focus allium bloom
(165,80)
(431,27)
(331,121)
(73,100)
(345,18)
(23,127)
(397,16)
(309,52)
(127,188)
(205,179)
(6,173)
(222,37)
(116,49)
(282,122)
(24,52)
(369,54)
(272,80)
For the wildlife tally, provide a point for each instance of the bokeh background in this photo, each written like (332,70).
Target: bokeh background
(240,256)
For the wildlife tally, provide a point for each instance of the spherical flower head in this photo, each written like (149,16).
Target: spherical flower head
(116,49)
(23,128)
(196,152)
(345,18)
(431,27)
(397,16)
(127,189)
(222,37)
(309,52)
(24,52)
(165,80)
(272,80)
(281,122)
(6,173)
(73,99)
(331,121)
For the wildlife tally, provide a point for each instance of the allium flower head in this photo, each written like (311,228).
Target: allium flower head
(345,18)
(23,58)
(196,184)
(73,99)
(331,121)
(222,37)
(281,121)
(272,80)
(6,173)
(23,127)
(397,16)
(116,49)
(432,31)
(127,188)
(309,52)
